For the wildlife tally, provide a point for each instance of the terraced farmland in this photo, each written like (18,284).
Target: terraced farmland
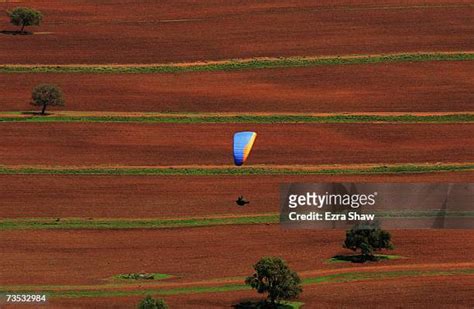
(135,173)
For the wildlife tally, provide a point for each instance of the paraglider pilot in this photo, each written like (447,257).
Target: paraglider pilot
(241,201)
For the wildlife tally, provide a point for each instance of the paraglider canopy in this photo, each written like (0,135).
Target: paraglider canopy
(243,142)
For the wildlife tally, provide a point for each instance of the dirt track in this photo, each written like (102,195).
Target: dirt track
(181,144)
(147,32)
(353,88)
(170,196)
(198,253)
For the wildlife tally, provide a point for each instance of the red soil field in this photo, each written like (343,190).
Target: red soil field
(351,88)
(211,144)
(441,291)
(147,31)
(165,197)
(90,256)
(151,32)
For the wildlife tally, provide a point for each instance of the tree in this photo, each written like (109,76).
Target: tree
(151,303)
(273,276)
(47,95)
(367,238)
(22,16)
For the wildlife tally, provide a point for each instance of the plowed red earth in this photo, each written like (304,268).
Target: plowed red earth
(87,31)
(151,32)
(89,256)
(352,88)
(181,144)
(440,291)
(170,196)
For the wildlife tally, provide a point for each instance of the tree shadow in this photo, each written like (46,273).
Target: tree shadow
(32,113)
(15,32)
(361,258)
(260,304)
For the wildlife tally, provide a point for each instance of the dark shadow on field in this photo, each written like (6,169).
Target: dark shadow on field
(15,32)
(35,113)
(360,258)
(259,304)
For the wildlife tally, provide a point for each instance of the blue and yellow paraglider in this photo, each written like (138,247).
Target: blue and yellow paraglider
(243,143)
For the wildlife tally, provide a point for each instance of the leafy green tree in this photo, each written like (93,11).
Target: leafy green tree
(151,303)
(45,95)
(367,239)
(23,16)
(273,276)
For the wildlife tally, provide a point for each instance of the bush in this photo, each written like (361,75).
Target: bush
(151,303)
(23,17)
(273,276)
(137,276)
(47,95)
(367,239)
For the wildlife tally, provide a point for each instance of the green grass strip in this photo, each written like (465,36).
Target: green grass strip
(334,278)
(270,119)
(77,223)
(423,214)
(292,304)
(235,65)
(160,292)
(358,276)
(245,171)
(80,223)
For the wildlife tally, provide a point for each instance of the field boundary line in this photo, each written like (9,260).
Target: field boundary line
(235,285)
(169,283)
(109,223)
(190,222)
(269,118)
(238,64)
(249,170)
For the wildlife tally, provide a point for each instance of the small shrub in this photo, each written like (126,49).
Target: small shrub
(151,303)
(137,276)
